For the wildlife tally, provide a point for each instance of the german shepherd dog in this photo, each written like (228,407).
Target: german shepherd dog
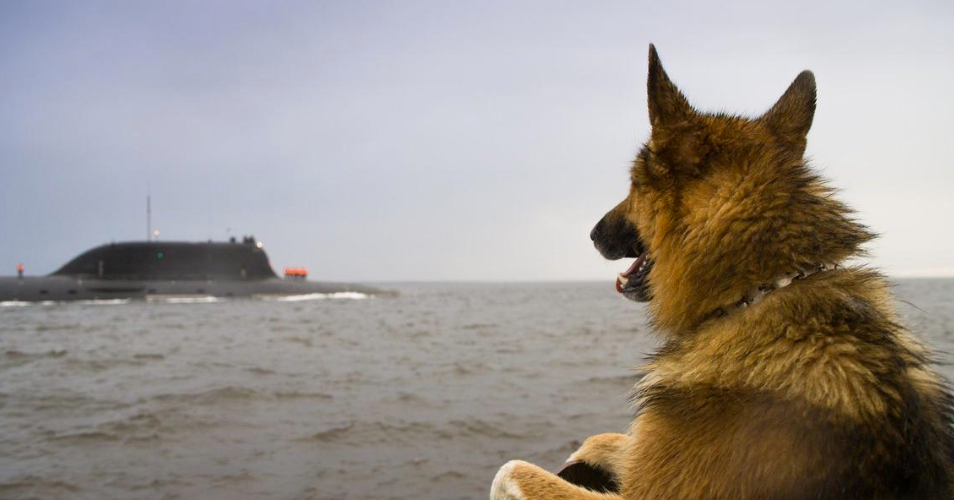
(785,374)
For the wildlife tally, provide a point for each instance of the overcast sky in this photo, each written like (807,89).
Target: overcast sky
(440,140)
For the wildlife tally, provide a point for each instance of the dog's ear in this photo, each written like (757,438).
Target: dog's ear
(791,117)
(679,145)
(667,105)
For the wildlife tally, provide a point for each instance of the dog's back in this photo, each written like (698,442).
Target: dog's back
(816,393)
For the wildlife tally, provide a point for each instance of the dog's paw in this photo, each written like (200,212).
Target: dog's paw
(505,485)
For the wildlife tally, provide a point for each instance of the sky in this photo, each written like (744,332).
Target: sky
(395,141)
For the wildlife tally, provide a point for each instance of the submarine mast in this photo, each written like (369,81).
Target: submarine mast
(148,218)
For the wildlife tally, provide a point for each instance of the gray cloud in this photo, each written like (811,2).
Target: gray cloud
(378,141)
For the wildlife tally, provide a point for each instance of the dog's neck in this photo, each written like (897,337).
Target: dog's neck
(758,293)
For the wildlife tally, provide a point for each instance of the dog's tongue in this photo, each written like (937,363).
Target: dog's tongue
(636,263)
(629,272)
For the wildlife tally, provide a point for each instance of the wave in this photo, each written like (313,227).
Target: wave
(378,432)
(59,402)
(449,475)
(624,379)
(390,432)
(331,434)
(28,485)
(101,365)
(215,395)
(149,355)
(484,429)
(141,426)
(94,302)
(171,299)
(13,357)
(21,303)
(52,353)
(82,436)
(187,299)
(300,395)
(236,393)
(319,296)
(104,302)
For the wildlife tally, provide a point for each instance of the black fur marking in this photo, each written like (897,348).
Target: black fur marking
(590,477)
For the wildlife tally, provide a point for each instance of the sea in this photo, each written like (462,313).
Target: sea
(420,395)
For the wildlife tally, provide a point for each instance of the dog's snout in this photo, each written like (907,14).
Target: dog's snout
(595,232)
(614,237)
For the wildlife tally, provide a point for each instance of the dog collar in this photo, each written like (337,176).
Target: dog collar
(761,291)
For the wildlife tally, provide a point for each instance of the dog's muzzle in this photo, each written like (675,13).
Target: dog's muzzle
(616,238)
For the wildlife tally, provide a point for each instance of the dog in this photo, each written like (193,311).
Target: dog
(785,373)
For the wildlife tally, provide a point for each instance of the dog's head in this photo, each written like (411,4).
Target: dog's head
(720,203)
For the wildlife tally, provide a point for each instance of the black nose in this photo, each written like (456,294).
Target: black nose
(615,238)
(597,229)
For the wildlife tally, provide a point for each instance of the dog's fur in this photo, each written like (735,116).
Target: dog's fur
(775,381)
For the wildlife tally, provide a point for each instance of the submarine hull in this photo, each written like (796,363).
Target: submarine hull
(140,269)
(64,288)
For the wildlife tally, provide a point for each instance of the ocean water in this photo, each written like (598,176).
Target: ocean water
(419,396)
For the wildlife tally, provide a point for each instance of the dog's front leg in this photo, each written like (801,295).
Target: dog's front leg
(519,480)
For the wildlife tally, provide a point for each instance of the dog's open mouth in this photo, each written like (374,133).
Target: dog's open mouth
(632,283)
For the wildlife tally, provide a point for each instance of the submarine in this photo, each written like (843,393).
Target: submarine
(154,269)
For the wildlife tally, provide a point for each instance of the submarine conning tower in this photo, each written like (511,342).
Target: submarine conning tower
(161,260)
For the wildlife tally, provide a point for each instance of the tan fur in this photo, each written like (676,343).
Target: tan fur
(605,451)
(520,480)
(815,391)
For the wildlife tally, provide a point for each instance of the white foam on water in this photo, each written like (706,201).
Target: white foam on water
(97,302)
(104,302)
(168,299)
(321,296)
